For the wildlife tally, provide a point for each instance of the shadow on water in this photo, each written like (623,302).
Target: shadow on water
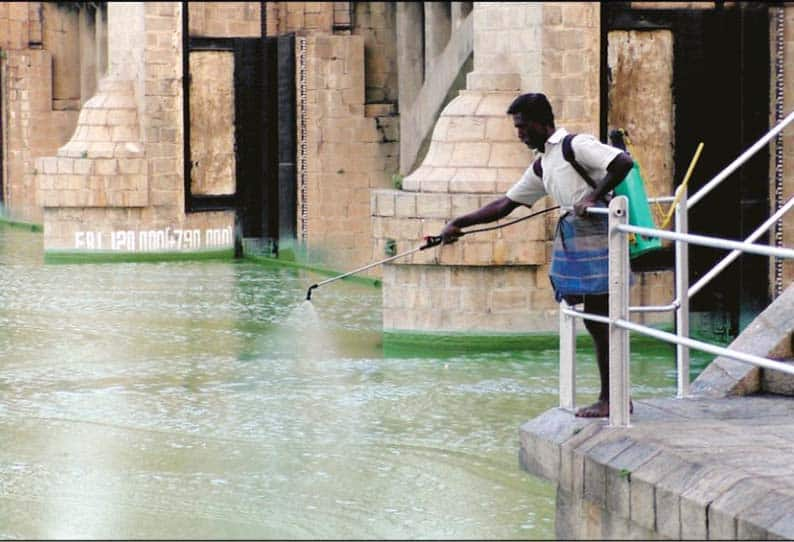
(209,400)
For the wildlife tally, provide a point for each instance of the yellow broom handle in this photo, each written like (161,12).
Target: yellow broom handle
(680,192)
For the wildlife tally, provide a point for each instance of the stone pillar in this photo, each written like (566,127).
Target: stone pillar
(117,185)
(88,56)
(456,14)
(126,43)
(34,24)
(437,30)
(101,41)
(508,46)
(493,282)
(410,63)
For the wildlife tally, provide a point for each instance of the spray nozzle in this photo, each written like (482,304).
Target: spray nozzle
(309,292)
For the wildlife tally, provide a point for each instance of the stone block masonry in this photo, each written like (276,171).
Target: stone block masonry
(222,19)
(117,184)
(347,153)
(103,165)
(472,299)
(488,282)
(33,128)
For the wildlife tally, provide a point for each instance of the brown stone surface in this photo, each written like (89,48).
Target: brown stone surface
(212,123)
(60,38)
(375,21)
(641,103)
(225,19)
(346,156)
(472,298)
(570,60)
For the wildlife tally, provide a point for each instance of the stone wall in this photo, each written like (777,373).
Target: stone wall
(302,17)
(224,19)
(20,23)
(347,153)
(492,281)
(472,299)
(508,40)
(33,127)
(118,184)
(60,37)
(375,21)
(570,60)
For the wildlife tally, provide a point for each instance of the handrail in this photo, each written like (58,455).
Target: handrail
(619,309)
(727,260)
(714,242)
(733,166)
(618,318)
(706,347)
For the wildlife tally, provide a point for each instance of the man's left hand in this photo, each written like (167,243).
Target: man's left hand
(580,207)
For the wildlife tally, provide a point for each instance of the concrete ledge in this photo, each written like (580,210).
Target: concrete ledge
(685,469)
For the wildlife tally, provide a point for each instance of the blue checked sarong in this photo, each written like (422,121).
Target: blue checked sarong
(580,257)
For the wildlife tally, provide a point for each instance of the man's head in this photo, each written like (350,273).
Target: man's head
(533,118)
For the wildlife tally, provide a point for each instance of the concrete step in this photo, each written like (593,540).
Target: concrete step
(778,382)
(770,335)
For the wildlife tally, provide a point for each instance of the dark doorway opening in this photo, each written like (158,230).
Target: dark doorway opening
(721,97)
(264,146)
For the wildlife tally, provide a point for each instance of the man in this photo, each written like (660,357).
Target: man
(579,267)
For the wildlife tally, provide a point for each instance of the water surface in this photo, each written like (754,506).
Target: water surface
(207,400)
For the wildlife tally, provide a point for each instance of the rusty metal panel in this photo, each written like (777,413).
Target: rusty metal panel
(212,122)
(641,102)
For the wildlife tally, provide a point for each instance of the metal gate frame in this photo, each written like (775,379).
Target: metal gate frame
(265,203)
(753,200)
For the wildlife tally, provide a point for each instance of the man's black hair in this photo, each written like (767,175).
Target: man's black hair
(533,106)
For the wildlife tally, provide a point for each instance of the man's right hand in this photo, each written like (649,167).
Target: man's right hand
(499,208)
(450,234)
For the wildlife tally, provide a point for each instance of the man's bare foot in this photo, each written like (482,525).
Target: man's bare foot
(599,409)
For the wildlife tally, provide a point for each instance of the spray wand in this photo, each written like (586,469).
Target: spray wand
(430,241)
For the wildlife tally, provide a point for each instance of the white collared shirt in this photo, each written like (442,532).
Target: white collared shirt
(560,180)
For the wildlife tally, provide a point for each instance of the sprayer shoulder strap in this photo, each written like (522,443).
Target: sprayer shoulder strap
(537,167)
(570,157)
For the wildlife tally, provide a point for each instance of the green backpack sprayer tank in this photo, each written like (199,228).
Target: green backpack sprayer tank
(640,213)
(632,187)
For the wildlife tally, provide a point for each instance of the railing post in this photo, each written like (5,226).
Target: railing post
(682,295)
(567,359)
(619,382)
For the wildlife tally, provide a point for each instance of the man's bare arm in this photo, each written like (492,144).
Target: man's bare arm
(489,212)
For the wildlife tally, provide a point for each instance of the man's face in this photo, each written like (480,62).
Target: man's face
(531,133)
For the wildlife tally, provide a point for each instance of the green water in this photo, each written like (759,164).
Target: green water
(208,400)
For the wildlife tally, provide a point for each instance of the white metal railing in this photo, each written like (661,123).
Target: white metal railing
(619,309)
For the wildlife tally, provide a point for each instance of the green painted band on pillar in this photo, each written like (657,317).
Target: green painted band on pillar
(21,225)
(403,343)
(106,256)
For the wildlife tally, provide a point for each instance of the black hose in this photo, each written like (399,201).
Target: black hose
(430,241)
(498,226)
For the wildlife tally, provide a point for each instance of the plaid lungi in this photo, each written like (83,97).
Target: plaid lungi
(580,257)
